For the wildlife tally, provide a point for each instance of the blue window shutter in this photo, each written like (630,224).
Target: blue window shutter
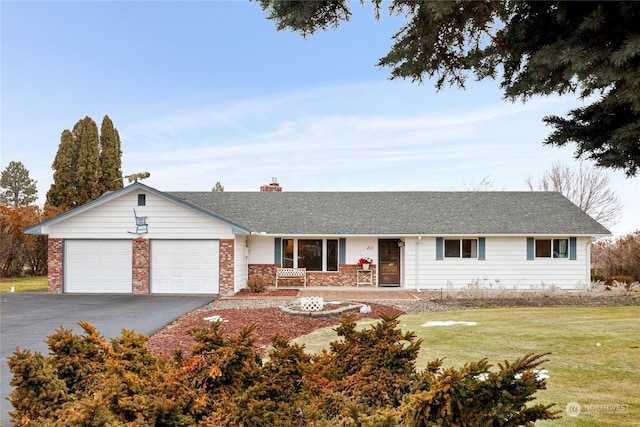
(573,248)
(530,244)
(481,246)
(277,257)
(439,248)
(342,250)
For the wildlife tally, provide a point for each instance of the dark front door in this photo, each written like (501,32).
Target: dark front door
(389,262)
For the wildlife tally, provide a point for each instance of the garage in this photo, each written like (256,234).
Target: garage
(185,266)
(97,266)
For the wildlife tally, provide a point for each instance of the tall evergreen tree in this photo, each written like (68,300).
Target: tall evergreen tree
(62,193)
(78,166)
(19,189)
(110,156)
(88,164)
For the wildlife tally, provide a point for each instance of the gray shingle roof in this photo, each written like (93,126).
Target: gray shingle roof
(398,213)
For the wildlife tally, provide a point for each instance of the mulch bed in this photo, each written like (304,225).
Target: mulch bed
(269,321)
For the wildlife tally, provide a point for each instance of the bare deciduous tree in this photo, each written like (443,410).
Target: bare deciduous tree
(485,184)
(587,187)
(617,257)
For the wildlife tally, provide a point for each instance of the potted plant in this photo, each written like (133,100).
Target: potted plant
(364,263)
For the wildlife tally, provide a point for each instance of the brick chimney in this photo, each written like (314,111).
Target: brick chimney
(274,186)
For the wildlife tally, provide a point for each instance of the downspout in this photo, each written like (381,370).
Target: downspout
(417,261)
(588,263)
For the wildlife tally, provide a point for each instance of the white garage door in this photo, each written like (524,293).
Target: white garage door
(185,266)
(97,266)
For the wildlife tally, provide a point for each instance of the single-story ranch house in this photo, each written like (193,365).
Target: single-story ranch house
(141,240)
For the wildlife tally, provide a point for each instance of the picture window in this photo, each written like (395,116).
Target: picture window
(312,254)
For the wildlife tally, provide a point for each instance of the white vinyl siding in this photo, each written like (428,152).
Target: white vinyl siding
(185,266)
(260,250)
(505,266)
(115,219)
(241,267)
(361,247)
(97,266)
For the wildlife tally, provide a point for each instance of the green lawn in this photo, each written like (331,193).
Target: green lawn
(603,379)
(24,284)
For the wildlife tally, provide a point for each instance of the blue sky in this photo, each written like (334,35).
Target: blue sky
(209,91)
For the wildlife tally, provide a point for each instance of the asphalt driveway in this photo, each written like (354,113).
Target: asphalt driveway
(26,319)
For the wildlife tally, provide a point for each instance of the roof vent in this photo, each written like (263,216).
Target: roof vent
(274,186)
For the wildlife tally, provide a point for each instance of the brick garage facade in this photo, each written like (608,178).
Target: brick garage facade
(346,276)
(227,266)
(55,265)
(141,265)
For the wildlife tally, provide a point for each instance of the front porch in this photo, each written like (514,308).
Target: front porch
(348,275)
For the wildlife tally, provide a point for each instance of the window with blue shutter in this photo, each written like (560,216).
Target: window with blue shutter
(559,248)
(460,248)
(309,253)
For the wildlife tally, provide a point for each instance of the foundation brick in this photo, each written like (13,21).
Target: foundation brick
(346,276)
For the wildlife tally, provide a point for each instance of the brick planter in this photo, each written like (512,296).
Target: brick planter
(346,276)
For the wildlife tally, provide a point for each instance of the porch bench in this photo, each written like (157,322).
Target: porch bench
(292,273)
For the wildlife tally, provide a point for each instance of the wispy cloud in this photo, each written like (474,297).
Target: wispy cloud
(332,133)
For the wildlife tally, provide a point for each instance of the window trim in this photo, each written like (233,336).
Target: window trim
(570,248)
(480,248)
(474,254)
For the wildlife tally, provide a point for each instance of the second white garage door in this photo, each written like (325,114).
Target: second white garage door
(185,266)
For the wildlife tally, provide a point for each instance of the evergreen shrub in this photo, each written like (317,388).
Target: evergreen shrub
(366,377)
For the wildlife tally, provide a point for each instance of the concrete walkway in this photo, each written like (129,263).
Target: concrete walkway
(358,293)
